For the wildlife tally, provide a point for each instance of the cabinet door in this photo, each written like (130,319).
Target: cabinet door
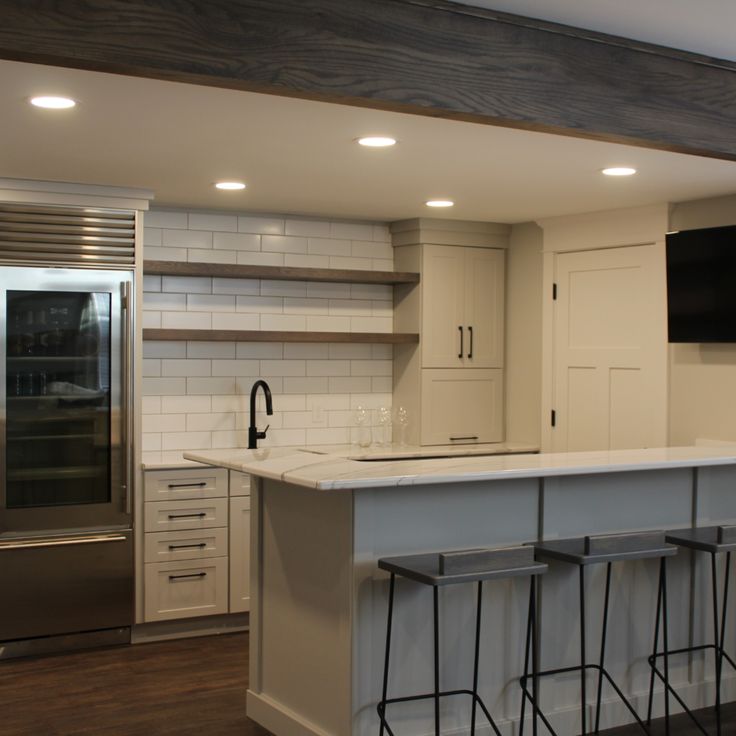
(239,554)
(443,303)
(462,405)
(484,307)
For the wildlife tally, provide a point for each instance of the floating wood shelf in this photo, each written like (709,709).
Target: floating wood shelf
(390,338)
(280,273)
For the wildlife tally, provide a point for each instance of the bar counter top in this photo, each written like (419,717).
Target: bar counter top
(344,468)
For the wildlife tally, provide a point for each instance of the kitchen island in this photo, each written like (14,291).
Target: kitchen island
(318,614)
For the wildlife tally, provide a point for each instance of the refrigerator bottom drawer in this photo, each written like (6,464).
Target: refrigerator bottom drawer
(66,585)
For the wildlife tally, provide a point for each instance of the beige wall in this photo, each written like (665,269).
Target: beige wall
(702,376)
(524,334)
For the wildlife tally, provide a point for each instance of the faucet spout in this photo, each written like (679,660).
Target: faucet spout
(253,434)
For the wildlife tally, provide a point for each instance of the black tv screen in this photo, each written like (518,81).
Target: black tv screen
(701,285)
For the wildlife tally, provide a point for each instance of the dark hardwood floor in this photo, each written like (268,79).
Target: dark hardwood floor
(189,687)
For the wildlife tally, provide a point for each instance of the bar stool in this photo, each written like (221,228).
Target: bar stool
(439,569)
(599,549)
(713,540)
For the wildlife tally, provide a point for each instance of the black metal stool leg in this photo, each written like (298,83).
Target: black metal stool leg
(583,671)
(535,651)
(436,662)
(527,650)
(666,649)
(720,651)
(382,714)
(477,653)
(716,640)
(654,648)
(603,648)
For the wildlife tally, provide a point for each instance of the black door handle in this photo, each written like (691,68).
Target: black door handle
(470,352)
(460,354)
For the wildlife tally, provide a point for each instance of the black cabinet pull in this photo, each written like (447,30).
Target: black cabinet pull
(188,485)
(200,545)
(460,354)
(465,437)
(190,575)
(470,352)
(200,515)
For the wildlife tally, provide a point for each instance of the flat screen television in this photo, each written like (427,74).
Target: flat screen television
(701,285)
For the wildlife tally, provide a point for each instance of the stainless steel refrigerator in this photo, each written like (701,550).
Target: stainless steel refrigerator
(66,540)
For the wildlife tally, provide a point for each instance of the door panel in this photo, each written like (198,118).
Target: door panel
(484,307)
(610,349)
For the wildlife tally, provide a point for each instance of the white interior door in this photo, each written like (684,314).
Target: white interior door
(610,366)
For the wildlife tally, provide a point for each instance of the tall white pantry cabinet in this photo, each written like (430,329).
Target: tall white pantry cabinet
(451,383)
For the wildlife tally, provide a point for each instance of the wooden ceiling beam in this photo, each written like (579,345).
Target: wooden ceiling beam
(425,57)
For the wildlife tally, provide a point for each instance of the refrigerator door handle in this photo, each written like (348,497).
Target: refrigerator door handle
(126,415)
(35,543)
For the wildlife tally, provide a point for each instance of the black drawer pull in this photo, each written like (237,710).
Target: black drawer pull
(199,515)
(190,575)
(470,352)
(200,545)
(460,354)
(468,437)
(188,485)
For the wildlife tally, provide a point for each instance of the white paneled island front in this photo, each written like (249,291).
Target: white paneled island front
(320,522)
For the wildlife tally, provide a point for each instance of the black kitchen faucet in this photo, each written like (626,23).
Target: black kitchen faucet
(253,434)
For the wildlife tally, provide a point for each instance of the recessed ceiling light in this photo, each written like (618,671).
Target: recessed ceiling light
(619,171)
(377,141)
(230,185)
(53,103)
(440,203)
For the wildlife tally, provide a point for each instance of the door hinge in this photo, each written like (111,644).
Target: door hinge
(553,418)
(554,291)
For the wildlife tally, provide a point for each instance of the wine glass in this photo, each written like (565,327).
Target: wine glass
(361,422)
(384,422)
(401,421)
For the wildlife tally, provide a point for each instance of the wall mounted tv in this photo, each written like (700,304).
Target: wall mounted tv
(701,285)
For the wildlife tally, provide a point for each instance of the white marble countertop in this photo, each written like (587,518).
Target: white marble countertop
(334,471)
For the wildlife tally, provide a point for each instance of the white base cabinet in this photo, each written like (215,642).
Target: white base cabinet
(196,544)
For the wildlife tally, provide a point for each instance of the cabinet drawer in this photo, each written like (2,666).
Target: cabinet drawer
(185,589)
(170,485)
(461,404)
(164,516)
(239,483)
(185,545)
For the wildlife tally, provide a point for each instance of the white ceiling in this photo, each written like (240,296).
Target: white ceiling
(701,26)
(299,156)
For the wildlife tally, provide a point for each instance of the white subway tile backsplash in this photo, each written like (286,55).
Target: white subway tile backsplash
(186,285)
(259,350)
(360,264)
(186,441)
(302,419)
(287,403)
(328,291)
(382,234)
(349,385)
(371,368)
(328,247)
(163,422)
(187,239)
(328,436)
(155,253)
(218,223)
(211,256)
(261,225)
(243,385)
(250,258)
(285,437)
(306,385)
(340,418)
(371,324)
(166,219)
(302,261)
(207,349)
(285,322)
(187,367)
(382,352)
(151,367)
(151,283)
(305,306)
(328,402)
(377,292)
(152,236)
(151,405)
(350,308)
(283,244)
(237,241)
(381,384)
(235,367)
(164,386)
(160,302)
(223,439)
(235,321)
(209,422)
(200,386)
(260,304)
(186,320)
(351,230)
(371,249)
(283,368)
(236,286)
(328,324)
(151,442)
(283,288)
(210,303)
(306,350)
(309,228)
(164,349)
(186,404)
(151,320)
(382,309)
(350,351)
(328,367)
(380,264)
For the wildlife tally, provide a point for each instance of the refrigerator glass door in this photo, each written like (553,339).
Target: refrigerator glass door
(62,422)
